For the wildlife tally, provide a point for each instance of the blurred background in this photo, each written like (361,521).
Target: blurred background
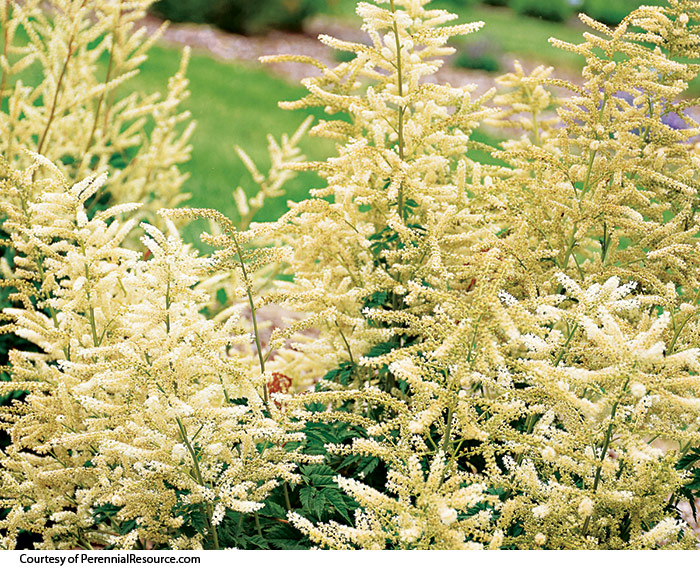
(256,16)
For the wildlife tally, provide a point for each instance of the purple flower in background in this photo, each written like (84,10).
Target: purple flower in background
(674,120)
(670,119)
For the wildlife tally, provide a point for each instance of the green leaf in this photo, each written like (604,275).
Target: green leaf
(221,296)
(689,459)
(258,541)
(383,348)
(376,300)
(689,496)
(322,502)
(318,475)
(694,485)
(342,374)
(273,509)
(286,537)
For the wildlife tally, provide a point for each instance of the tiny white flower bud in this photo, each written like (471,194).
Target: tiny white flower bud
(548,454)
(585,507)
(179,452)
(497,540)
(215,449)
(218,514)
(447,515)
(410,534)
(638,390)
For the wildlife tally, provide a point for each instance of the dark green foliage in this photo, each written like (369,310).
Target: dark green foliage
(321,496)
(194,517)
(342,374)
(690,491)
(183,10)
(106,514)
(317,498)
(612,12)
(241,16)
(267,529)
(554,10)
(481,53)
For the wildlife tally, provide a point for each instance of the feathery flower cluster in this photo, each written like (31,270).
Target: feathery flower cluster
(133,405)
(78,114)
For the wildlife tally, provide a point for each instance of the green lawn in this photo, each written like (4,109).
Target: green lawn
(523,37)
(233,104)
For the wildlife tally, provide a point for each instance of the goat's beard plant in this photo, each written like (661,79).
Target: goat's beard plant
(135,414)
(502,346)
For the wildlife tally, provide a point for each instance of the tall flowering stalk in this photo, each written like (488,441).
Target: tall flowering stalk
(78,114)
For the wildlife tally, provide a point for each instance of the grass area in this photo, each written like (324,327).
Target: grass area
(233,104)
(522,37)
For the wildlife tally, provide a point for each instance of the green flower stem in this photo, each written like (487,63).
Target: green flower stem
(562,352)
(402,109)
(677,331)
(604,452)
(57,92)
(251,304)
(108,77)
(206,508)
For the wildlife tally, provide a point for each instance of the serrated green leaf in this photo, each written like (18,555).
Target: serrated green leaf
(273,509)
(689,459)
(308,498)
(383,348)
(258,541)
(694,485)
(318,475)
